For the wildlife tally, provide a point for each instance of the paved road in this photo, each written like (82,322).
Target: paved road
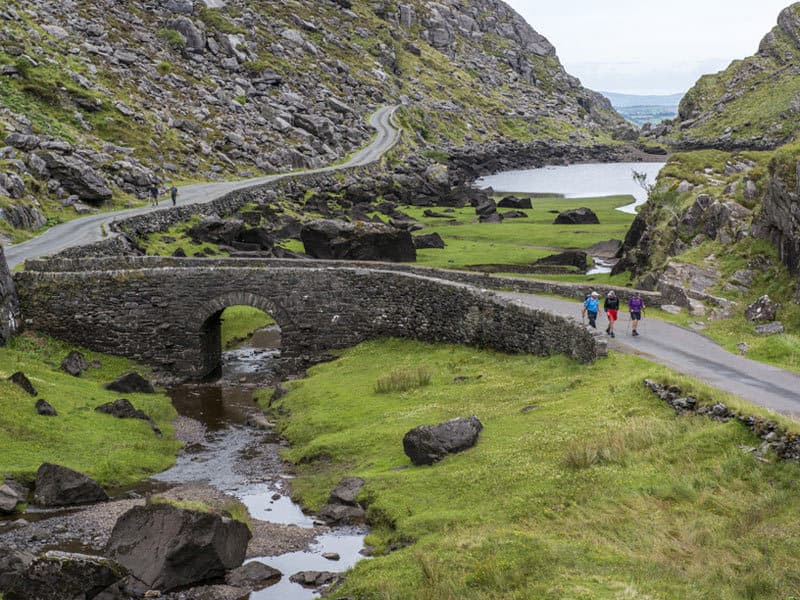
(692,354)
(87,230)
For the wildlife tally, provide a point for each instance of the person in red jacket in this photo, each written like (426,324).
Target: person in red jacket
(611,306)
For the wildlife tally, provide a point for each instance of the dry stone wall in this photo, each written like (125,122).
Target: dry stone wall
(165,312)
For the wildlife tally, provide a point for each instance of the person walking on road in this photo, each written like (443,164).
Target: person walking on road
(590,308)
(611,307)
(154,195)
(173,192)
(636,307)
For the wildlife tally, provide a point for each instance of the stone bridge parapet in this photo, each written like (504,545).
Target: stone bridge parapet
(166,311)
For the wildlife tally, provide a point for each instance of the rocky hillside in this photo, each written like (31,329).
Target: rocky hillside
(753,104)
(99,99)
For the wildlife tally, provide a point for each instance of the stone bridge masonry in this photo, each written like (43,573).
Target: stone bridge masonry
(166,311)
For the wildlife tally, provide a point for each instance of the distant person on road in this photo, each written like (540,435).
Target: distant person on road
(636,307)
(611,307)
(154,195)
(173,192)
(590,307)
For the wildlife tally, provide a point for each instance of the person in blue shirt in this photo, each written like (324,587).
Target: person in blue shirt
(590,308)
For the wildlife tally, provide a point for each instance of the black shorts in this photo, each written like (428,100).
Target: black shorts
(636,315)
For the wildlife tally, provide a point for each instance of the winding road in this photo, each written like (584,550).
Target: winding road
(87,230)
(682,350)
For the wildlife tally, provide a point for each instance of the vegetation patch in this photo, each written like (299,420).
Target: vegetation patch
(402,380)
(240,322)
(112,451)
(664,506)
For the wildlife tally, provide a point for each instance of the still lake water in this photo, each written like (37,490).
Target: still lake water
(577,181)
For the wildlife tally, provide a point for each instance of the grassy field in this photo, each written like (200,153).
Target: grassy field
(520,241)
(113,451)
(598,492)
(240,322)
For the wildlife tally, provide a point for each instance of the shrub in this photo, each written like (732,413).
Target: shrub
(164,67)
(215,20)
(172,38)
(403,380)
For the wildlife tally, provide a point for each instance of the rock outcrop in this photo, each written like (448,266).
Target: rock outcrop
(9,303)
(329,239)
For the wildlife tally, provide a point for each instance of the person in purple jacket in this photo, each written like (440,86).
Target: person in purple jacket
(636,308)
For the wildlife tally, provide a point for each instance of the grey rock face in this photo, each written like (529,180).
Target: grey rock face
(577,216)
(23,217)
(167,547)
(9,303)
(329,239)
(61,486)
(428,444)
(77,177)
(180,7)
(64,576)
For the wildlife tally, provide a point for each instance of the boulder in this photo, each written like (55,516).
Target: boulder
(77,177)
(64,576)
(514,214)
(217,231)
(342,507)
(61,486)
(21,216)
(429,240)
(314,579)
(774,328)
(608,249)
(9,303)
(12,564)
(329,239)
(485,207)
(131,383)
(491,218)
(571,258)
(514,202)
(9,499)
(22,381)
(45,409)
(195,38)
(74,364)
(577,216)
(123,409)
(166,547)
(254,575)
(762,309)
(428,444)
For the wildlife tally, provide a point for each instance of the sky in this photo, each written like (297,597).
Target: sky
(648,47)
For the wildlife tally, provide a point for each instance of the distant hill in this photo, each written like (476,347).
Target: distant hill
(628,100)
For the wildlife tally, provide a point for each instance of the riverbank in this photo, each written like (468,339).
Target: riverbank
(583,484)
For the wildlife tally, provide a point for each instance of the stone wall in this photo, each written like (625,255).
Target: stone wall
(9,305)
(478,280)
(165,312)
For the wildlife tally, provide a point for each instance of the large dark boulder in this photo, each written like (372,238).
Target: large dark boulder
(45,409)
(328,239)
(61,486)
(166,547)
(63,576)
(131,383)
(22,381)
(429,240)
(74,364)
(214,230)
(577,216)
(123,409)
(9,303)
(428,444)
(486,207)
(514,202)
(77,177)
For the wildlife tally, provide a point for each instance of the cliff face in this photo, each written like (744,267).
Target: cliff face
(753,104)
(101,98)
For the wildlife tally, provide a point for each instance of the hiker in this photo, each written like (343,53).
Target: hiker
(636,308)
(173,191)
(611,306)
(154,195)
(590,307)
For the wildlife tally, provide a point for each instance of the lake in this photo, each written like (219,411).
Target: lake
(578,181)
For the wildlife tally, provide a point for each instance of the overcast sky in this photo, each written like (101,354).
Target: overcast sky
(648,47)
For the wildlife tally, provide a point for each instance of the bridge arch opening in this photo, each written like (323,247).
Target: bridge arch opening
(238,328)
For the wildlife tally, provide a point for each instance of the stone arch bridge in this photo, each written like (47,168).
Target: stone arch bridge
(166,311)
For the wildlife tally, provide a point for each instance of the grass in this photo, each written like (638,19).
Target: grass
(167,242)
(233,508)
(240,322)
(113,451)
(601,491)
(520,241)
(403,380)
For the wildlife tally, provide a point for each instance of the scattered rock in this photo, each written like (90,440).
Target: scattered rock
(64,576)
(774,328)
(428,444)
(314,579)
(61,486)
(514,214)
(429,240)
(123,409)
(577,216)
(328,239)
(254,575)
(331,556)
(131,383)
(166,547)
(19,379)
(342,507)
(762,309)
(74,364)
(514,202)
(44,408)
